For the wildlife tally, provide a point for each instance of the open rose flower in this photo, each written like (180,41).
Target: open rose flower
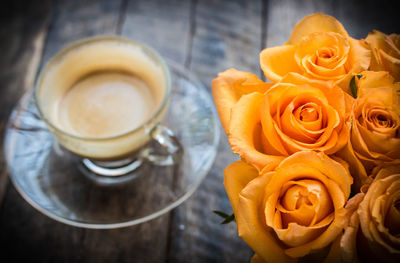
(375,122)
(292,211)
(293,115)
(373,230)
(319,48)
(385,52)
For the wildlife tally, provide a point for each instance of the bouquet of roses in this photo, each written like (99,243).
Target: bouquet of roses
(319,175)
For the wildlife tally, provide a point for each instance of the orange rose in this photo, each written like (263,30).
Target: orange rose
(293,115)
(375,122)
(290,212)
(377,213)
(319,48)
(385,52)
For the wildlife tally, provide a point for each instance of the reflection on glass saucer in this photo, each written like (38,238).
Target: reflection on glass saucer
(56,183)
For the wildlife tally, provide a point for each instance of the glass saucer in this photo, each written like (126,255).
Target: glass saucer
(52,180)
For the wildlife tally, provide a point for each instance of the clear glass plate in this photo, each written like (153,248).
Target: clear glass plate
(51,179)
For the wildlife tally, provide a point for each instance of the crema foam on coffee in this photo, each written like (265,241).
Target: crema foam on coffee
(105,104)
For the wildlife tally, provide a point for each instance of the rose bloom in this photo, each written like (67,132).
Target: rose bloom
(372,233)
(290,212)
(319,48)
(375,125)
(293,115)
(385,52)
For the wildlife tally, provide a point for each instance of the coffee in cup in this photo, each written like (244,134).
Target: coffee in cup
(102,97)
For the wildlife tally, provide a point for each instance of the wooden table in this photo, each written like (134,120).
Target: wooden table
(206,37)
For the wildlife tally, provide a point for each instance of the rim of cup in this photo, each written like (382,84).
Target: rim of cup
(70,47)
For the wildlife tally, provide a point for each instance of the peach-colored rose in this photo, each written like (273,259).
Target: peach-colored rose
(290,212)
(372,233)
(385,52)
(319,48)
(375,125)
(293,115)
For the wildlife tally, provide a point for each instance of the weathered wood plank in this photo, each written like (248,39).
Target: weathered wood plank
(73,20)
(32,237)
(226,34)
(164,25)
(21,46)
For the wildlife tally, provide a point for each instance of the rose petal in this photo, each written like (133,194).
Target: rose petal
(257,259)
(315,23)
(356,167)
(236,176)
(276,62)
(334,254)
(370,221)
(296,128)
(307,49)
(379,212)
(299,171)
(361,146)
(229,86)
(348,242)
(326,165)
(393,215)
(387,171)
(250,225)
(372,80)
(385,52)
(379,146)
(391,64)
(297,235)
(319,72)
(244,136)
(359,57)
(323,240)
(334,95)
(272,143)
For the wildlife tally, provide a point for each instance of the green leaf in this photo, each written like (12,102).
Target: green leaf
(228,218)
(353,87)
(359,76)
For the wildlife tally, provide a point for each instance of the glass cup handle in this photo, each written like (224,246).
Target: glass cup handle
(168,150)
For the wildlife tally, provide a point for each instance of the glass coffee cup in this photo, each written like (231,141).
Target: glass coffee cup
(103,98)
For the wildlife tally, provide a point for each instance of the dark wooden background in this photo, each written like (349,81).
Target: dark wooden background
(205,36)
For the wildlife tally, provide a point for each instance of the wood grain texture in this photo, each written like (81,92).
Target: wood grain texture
(32,237)
(21,46)
(226,34)
(163,25)
(73,20)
